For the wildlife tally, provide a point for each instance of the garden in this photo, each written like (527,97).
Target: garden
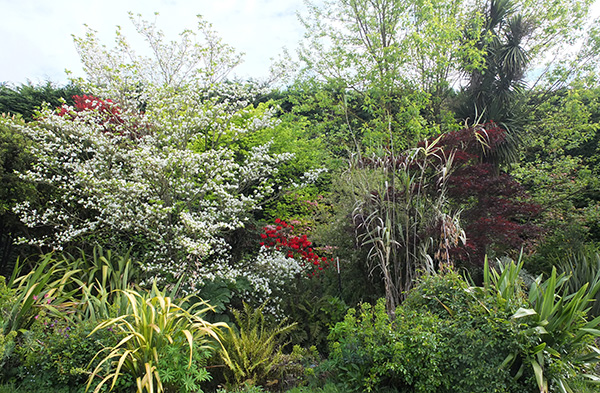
(411,203)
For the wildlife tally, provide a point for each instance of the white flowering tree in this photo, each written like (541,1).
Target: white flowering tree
(144,161)
(173,204)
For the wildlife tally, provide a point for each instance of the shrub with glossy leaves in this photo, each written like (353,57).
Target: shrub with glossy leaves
(447,337)
(501,337)
(369,352)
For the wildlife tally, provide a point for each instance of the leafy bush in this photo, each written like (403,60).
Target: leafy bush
(54,355)
(583,268)
(299,366)
(369,352)
(315,316)
(566,349)
(15,157)
(97,288)
(477,332)
(447,337)
(40,289)
(452,337)
(7,340)
(176,374)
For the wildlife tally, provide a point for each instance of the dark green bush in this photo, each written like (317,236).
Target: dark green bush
(447,337)
(54,355)
(370,352)
(477,336)
(315,316)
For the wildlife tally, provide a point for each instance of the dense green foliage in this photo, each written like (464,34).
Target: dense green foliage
(452,337)
(15,158)
(26,100)
(323,221)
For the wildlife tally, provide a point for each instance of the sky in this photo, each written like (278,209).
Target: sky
(37,42)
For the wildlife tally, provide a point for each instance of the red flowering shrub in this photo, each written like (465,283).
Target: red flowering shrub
(281,237)
(108,115)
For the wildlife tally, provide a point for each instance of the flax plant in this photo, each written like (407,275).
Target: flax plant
(42,288)
(104,277)
(402,215)
(583,268)
(154,322)
(562,348)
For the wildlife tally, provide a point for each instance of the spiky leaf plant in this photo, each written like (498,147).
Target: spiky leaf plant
(153,324)
(563,350)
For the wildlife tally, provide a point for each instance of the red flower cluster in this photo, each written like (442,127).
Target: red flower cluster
(280,237)
(90,103)
(109,115)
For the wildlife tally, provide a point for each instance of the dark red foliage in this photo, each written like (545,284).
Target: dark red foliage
(473,143)
(497,214)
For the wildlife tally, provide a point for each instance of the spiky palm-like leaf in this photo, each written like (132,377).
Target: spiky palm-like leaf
(557,318)
(583,268)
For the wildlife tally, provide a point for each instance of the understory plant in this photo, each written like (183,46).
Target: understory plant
(582,268)
(55,355)
(154,324)
(449,336)
(254,349)
(42,288)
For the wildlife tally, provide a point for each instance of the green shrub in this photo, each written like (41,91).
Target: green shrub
(368,351)
(299,367)
(54,355)
(452,337)
(446,337)
(175,372)
(478,335)
(315,316)
(7,341)
(583,268)
(327,388)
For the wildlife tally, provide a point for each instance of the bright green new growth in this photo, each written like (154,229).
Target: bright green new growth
(153,323)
